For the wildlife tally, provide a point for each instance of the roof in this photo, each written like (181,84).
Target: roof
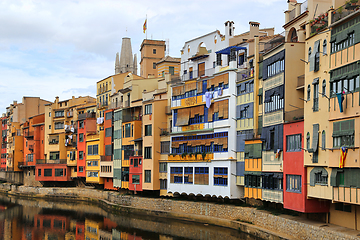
(263,38)
(169,59)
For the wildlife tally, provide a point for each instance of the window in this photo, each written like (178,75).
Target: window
(323,140)
(117,134)
(275,68)
(201,176)
(293,183)
(59,113)
(253,181)
(324,47)
(308,141)
(154,65)
(163,167)
(308,93)
(163,184)
(59,125)
(81,124)
(154,51)
(343,207)
(148,129)
(171,70)
(108,132)
(108,116)
(244,113)
(81,137)
(316,97)
(81,169)
(220,176)
(93,174)
(321,178)
(93,149)
(148,176)
(59,172)
(324,88)
(293,143)
(135,179)
(165,147)
(273,103)
(343,133)
(148,109)
(39,172)
(147,154)
(127,130)
(176,174)
(54,155)
(47,172)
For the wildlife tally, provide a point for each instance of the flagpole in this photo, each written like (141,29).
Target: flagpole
(146,27)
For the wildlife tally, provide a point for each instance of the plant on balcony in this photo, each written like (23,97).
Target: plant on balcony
(164,133)
(340,10)
(191,154)
(347,5)
(353,2)
(183,155)
(203,154)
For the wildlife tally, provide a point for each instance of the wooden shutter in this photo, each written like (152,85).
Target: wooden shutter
(315,142)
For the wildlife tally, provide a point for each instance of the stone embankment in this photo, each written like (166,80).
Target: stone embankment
(247,219)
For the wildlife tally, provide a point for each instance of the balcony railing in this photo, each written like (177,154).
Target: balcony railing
(319,23)
(245,74)
(127,103)
(130,118)
(115,105)
(69,114)
(29,134)
(300,81)
(84,116)
(102,104)
(295,115)
(197,73)
(21,164)
(70,128)
(274,42)
(168,110)
(292,14)
(49,161)
(344,11)
(165,131)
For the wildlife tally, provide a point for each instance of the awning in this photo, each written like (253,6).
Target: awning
(228,50)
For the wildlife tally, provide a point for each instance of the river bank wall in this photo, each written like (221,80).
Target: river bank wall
(247,219)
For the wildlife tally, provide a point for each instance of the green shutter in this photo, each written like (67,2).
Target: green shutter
(333,177)
(260,70)
(257,150)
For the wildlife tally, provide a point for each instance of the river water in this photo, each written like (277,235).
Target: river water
(54,220)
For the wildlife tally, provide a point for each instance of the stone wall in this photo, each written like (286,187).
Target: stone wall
(212,213)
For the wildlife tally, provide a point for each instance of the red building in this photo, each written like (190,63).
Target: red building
(86,125)
(80,231)
(3,142)
(49,171)
(135,174)
(295,177)
(33,132)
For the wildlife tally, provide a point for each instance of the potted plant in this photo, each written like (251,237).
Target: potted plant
(203,154)
(340,10)
(347,5)
(183,155)
(354,2)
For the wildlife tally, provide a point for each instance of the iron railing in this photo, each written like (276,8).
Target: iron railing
(294,115)
(196,73)
(50,161)
(301,81)
(87,115)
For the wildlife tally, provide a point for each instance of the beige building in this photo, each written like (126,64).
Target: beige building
(152,51)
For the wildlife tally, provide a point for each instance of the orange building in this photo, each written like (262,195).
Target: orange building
(152,51)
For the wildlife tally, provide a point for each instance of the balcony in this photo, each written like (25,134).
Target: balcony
(191,157)
(102,105)
(344,11)
(295,115)
(70,128)
(298,10)
(244,74)
(276,41)
(130,118)
(50,161)
(127,104)
(69,114)
(29,134)
(54,141)
(165,131)
(319,24)
(84,116)
(300,82)
(168,110)
(197,73)
(106,158)
(21,164)
(31,148)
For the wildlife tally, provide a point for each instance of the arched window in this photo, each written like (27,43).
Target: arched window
(308,141)
(323,140)
(308,92)
(324,87)
(324,47)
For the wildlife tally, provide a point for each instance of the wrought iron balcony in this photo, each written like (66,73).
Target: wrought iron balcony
(349,8)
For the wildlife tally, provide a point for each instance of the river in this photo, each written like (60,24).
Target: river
(54,220)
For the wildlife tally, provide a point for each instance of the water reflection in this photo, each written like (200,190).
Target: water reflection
(35,220)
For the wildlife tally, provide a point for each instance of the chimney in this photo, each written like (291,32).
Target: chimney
(254,29)
(56,99)
(229,29)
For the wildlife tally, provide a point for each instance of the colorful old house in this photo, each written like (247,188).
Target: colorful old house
(3,145)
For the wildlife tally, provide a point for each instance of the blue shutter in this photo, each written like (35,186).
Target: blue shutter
(240,168)
(238,109)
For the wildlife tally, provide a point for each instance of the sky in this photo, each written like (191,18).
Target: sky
(52,48)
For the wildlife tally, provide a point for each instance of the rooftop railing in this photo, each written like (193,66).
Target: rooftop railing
(345,10)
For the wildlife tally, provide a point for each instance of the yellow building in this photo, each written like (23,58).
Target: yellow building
(168,65)
(94,149)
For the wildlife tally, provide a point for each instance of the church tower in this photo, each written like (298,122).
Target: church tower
(126,63)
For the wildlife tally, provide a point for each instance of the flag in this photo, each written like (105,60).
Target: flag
(278,152)
(343,155)
(145,25)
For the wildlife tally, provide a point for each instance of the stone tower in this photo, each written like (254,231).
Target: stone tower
(126,63)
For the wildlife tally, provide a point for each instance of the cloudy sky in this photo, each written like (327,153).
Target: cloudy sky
(62,48)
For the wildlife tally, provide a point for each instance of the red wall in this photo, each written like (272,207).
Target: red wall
(135,171)
(108,184)
(81,146)
(3,150)
(294,165)
(66,176)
